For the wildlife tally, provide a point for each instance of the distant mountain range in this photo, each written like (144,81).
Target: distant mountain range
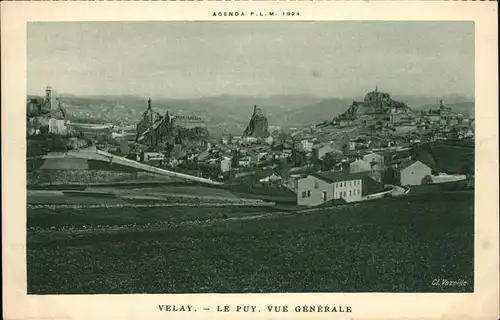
(231,114)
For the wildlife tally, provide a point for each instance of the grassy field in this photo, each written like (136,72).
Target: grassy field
(76,218)
(278,194)
(390,245)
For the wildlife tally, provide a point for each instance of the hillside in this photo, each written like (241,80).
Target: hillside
(391,245)
(311,114)
(452,157)
(230,114)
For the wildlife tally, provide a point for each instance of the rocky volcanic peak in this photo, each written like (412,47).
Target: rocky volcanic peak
(258,126)
(375,102)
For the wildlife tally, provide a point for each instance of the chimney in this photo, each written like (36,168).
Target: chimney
(149,103)
(254,108)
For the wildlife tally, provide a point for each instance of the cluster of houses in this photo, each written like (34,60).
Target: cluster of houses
(46,111)
(361,163)
(358,172)
(359,179)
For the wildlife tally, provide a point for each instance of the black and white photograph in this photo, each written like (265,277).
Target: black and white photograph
(250,157)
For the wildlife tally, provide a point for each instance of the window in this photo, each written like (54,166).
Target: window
(345,193)
(308,193)
(303,194)
(316,184)
(350,193)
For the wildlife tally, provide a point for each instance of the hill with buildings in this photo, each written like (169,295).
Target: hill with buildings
(465,108)
(229,114)
(376,104)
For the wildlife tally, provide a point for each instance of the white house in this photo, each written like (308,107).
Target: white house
(352,145)
(236,140)
(152,156)
(57,126)
(225,164)
(269,140)
(250,139)
(320,187)
(306,145)
(412,172)
(359,166)
(244,162)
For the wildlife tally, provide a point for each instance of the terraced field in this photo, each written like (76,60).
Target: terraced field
(389,245)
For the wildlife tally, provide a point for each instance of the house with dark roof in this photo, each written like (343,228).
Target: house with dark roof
(320,187)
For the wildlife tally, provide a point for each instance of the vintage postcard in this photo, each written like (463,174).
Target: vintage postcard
(250,159)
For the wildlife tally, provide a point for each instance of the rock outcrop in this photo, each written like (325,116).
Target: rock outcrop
(375,103)
(160,133)
(258,126)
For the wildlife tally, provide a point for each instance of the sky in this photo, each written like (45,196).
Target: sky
(196,59)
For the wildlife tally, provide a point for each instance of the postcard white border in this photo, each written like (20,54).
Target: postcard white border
(482,304)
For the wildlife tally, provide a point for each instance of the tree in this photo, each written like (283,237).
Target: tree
(466,169)
(235,158)
(259,173)
(345,148)
(427,179)
(282,169)
(389,177)
(330,160)
(295,158)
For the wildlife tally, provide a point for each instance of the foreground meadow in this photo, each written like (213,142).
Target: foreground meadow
(389,245)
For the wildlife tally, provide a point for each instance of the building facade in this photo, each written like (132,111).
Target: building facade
(57,126)
(306,145)
(225,164)
(412,173)
(321,187)
(313,191)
